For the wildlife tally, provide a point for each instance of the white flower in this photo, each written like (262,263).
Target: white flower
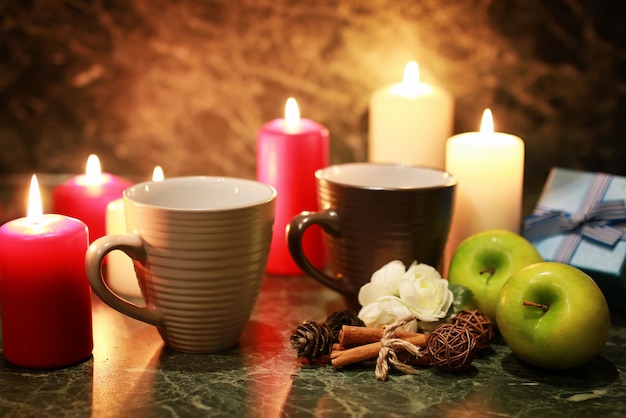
(425,293)
(421,270)
(394,293)
(384,282)
(385,311)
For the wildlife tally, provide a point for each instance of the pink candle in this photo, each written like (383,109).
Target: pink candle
(86,197)
(289,152)
(44,294)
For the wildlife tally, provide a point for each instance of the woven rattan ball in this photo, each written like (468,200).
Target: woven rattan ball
(451,348)
(478,325)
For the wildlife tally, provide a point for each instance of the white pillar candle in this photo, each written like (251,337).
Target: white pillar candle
(120,270)
(489,167)
(410,122)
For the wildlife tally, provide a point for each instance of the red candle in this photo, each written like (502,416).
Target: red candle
(289,152)
(86,197)
(44,294)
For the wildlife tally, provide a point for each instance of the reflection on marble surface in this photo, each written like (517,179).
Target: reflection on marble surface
(132,374)
(187,84)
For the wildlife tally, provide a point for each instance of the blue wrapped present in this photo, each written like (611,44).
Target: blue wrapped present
(580,219)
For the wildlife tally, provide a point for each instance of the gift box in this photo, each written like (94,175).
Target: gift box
(580,219)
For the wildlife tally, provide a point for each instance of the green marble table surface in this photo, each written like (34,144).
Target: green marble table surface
(132,374)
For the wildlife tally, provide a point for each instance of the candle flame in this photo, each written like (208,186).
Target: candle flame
(411,79)
(157,174)
(292,115)
(486,125)
(35,207)
(93,172)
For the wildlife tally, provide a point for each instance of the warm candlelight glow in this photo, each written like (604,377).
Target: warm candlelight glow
(486,125)
(292,115)
(157,174)
(35,207)
(411,79)
(410,120)
(93,173)
(490,169)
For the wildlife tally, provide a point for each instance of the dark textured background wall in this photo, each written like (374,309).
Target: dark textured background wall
(186,84)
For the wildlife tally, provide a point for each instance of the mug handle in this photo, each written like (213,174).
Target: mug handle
(133,246)
(328,220)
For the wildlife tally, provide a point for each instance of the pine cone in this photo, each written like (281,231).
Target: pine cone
(338,319)
(312,340)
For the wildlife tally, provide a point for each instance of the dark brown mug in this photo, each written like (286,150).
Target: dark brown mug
(372,214)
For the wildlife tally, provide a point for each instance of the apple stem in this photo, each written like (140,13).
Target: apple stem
(543,307)
(490,271)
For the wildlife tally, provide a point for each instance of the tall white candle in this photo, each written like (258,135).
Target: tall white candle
(410,122)
(120,270)
(490,170)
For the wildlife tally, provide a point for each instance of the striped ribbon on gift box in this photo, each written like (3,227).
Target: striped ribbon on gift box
(602,222)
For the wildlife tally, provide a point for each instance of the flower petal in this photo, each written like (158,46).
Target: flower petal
(424,292)
(421,270)
(386,311)
(389,276)
(370,292)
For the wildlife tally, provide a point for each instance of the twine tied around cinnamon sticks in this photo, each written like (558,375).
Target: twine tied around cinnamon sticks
(387,355)
(358,344)
(450,347)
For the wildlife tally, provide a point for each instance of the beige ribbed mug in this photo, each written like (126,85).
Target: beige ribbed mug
(373,213)
(199,246)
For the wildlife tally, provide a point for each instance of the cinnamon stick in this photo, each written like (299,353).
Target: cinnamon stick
(351,336)
(342,358)
(408,358)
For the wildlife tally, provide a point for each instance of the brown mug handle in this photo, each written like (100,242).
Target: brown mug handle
(131,244)
(328,220)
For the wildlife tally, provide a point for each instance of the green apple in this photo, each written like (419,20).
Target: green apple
(484,261)
(553,316)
